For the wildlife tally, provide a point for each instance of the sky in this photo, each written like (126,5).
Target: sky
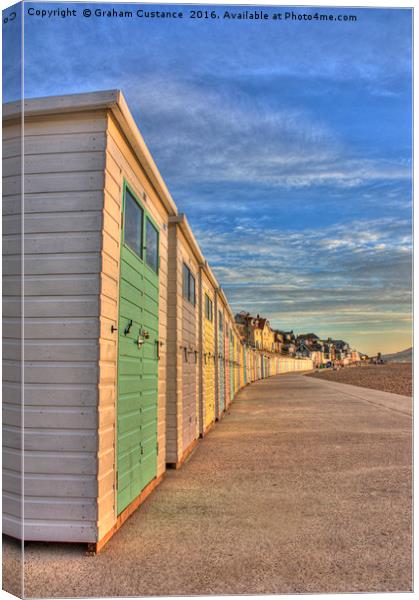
(286,143)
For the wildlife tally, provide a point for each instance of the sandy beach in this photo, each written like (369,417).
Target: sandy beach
(390,377)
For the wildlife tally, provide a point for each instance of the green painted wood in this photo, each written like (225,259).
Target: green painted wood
(137,393)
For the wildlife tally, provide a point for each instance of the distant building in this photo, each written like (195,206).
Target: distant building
(310,346)
(256,331)
(287,342)
(342,349)
(278,341)
(309,338)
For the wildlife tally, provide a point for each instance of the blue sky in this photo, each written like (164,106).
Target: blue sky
(287,144)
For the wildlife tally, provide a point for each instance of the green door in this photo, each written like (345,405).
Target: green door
(137,352)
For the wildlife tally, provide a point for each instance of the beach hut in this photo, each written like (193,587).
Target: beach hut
(220,373)
(252,365)
(227,361)
(238,361)
(183,339)
(208,349)
(96,211)
(231,361)
(222,316)
(244,365)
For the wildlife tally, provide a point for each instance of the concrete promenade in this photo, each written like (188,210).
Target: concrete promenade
(305,486)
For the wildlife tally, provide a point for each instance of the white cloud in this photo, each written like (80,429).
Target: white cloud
(202,135)
(344,276)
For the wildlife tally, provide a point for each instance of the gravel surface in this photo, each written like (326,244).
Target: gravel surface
(304,487)
(390,377)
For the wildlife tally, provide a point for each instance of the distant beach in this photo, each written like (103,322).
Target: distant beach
(390,377)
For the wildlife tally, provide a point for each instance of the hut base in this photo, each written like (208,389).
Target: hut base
(96,547)
(221,415)
(189,450)
(207,429)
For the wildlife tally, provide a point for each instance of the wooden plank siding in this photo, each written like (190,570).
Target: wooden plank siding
(183,342)
(222,355)
(12,342)
(190,340)
(208,355)
(174,371)
(64,175)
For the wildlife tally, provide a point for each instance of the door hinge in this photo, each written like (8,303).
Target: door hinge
(157,447)
(117,480)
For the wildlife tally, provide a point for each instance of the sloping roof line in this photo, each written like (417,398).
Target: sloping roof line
(261,323)
(108,99)
(114,101)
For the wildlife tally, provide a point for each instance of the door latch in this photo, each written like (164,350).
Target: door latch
(128,327)
(140,340)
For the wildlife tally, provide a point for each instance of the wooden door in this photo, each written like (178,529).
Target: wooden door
(138,346)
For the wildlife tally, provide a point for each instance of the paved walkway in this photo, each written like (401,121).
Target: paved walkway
(304,487)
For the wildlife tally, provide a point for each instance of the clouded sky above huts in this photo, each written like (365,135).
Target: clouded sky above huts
(287,143)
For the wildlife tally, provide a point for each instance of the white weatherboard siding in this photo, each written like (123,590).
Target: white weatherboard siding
(12,332)
(63,209)
(173,373)
(189,339)
(182,369)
